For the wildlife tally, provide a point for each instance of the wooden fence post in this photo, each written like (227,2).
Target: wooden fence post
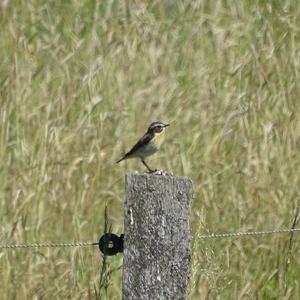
(157,241)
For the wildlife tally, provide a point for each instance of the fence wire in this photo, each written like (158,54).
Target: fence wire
(204,236)
(247,233)
(48,245)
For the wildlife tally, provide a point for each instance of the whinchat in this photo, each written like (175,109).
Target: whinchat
(148,144)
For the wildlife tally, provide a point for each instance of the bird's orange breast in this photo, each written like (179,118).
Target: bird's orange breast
(159,138)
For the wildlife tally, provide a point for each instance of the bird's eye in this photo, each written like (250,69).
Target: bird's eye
(159,129)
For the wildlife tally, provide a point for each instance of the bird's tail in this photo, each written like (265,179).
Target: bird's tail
(121,159)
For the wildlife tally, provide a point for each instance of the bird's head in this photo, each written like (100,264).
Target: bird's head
(157,128)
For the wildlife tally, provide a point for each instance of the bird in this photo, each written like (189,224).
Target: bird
(148,144)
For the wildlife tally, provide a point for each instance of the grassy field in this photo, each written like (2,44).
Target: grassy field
(81,80)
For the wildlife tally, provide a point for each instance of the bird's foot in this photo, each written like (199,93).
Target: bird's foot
(149,171)
(160,172)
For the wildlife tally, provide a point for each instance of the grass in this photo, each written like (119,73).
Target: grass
(81,80)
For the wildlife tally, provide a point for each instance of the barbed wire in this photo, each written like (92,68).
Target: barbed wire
(247,233)
(48,245)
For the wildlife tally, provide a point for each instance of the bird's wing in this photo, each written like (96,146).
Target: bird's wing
(141,142)
(146,138)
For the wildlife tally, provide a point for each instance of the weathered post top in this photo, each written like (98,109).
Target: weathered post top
(157,242)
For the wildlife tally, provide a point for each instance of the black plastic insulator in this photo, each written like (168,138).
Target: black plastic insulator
(110,244)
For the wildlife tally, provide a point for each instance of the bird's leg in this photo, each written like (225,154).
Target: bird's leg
(149,169)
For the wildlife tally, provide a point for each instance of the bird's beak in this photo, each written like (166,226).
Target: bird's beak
(166,125)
